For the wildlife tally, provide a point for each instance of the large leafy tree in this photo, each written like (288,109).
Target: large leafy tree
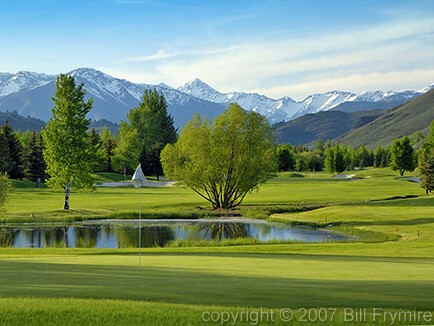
(285,157)
(148,128)
(426,170)
(224,160)
(402,156)
(68,151)
(14,157)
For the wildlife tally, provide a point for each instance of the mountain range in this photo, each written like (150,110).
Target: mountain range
(29,94)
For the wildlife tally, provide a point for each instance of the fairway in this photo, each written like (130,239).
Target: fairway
(391,269)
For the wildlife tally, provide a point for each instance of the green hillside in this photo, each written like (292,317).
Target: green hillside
(322,126)
(407,119)
(19,122)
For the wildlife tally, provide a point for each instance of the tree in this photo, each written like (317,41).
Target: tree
(285,157)
(12,144)
(5,189)
(340,154)
(402,156)
(108,145)
(429,142)
(329,159)
(151,127)
(68,152)
(34,164)
(5,158)
(426,170)
(98,151)
(224,160)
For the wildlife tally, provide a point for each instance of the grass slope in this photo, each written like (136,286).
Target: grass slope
(321,126)
(178,285)
(407,119)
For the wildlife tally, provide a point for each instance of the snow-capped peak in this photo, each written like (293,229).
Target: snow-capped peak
(199,89)
(12,83)
(426,89)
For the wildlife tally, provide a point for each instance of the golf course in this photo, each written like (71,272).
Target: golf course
(383,276)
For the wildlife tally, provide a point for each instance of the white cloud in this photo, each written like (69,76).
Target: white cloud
(389,55)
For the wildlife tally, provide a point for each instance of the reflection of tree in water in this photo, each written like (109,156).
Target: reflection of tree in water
(6,238)
(151,236)
(85,237)
(224,230)
(55,237)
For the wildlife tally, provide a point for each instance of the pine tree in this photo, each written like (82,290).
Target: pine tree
(108,146)
(68,152)
(152,127)
(12,144)
(5,158)
(426,170)
(34,162)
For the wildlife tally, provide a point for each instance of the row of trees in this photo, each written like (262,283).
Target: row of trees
(329,158)
(221,160)
(401,157)
(67,153)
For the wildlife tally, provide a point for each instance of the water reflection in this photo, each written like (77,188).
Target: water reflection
(223,230)
(153,233)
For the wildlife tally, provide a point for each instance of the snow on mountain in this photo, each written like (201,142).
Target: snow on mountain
(426,89)
(274,110)
(377,96)
(321,102)
(285,109)
(29,93)
(12,83)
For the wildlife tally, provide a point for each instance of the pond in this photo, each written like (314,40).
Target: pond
(115,234)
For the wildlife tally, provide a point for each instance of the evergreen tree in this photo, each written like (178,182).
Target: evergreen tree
(5,158)
(12,144)
(402,156)
(98,151)
(68,152)
(154,128)
(108,145)
(34,164)
(426,170)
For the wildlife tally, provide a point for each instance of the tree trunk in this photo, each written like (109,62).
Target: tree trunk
(66,205)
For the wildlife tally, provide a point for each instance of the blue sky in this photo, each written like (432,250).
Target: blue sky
(276,48)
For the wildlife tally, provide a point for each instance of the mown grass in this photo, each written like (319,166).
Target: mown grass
(176,285)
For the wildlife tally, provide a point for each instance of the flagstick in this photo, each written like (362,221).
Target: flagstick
(140,227)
